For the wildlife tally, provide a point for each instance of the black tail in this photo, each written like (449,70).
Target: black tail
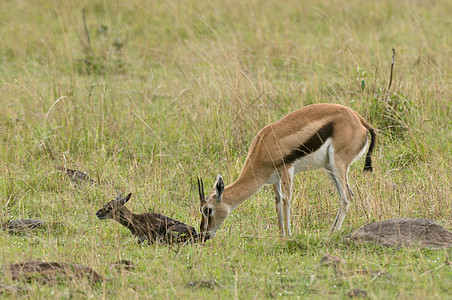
(368,164)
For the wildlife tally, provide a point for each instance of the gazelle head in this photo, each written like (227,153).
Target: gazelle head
(213,210)
(112,209)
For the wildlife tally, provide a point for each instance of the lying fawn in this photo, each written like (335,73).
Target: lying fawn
(153,227)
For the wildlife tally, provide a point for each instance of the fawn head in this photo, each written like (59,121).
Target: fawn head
(213,210)
(112,209)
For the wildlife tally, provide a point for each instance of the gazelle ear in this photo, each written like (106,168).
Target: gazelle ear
(118,196)
(126,198)
(219,187)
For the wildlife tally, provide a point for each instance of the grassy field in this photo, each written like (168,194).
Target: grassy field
(146,96)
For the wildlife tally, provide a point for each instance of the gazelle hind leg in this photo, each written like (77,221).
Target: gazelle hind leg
(340,178)
(350,192)
(279,212)
(336,184)
(287,173)
(338,172)
(338,188)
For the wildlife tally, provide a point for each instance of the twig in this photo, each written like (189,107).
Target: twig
(392,69)
(88,40)
(51,107)
(434,269)
(149,127)
(376,275)
(280,273)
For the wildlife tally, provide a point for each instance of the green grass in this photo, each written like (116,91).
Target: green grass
(165,92)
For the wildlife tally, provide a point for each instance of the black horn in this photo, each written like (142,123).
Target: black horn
(201,190)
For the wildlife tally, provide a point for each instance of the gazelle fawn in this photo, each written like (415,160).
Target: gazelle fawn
(152,227)
(328,136)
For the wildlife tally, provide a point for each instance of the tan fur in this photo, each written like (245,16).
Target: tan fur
(277,141)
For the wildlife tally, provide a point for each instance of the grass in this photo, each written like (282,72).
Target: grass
(164,92)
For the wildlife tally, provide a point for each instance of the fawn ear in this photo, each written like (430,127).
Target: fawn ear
(219,187)
(118,196)
(126,198)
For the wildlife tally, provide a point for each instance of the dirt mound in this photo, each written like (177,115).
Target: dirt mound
(394,232)
(22,225)
(50,271)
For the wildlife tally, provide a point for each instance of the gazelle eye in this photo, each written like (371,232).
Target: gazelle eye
(207,211)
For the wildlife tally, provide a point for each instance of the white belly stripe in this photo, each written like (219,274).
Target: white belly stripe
(316,160)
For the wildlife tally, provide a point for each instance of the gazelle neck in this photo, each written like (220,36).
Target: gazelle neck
(240,190)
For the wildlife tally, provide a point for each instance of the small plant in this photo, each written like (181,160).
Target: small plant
(105,54)
(393,115)
(390,110)
(361,78)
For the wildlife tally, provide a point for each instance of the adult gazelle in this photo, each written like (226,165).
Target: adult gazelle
(328,136)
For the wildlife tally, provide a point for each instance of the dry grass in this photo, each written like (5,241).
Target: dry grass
(168,91)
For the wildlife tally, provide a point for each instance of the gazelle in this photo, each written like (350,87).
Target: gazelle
(328,136)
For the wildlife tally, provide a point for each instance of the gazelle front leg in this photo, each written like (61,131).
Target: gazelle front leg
(287,173)
(279,212)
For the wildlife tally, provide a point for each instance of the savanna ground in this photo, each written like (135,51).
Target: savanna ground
(146,96)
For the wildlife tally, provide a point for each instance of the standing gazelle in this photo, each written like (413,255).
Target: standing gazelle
(328,136)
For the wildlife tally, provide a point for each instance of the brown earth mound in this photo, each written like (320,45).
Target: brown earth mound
(395,232)
(50,271)
(22,225)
